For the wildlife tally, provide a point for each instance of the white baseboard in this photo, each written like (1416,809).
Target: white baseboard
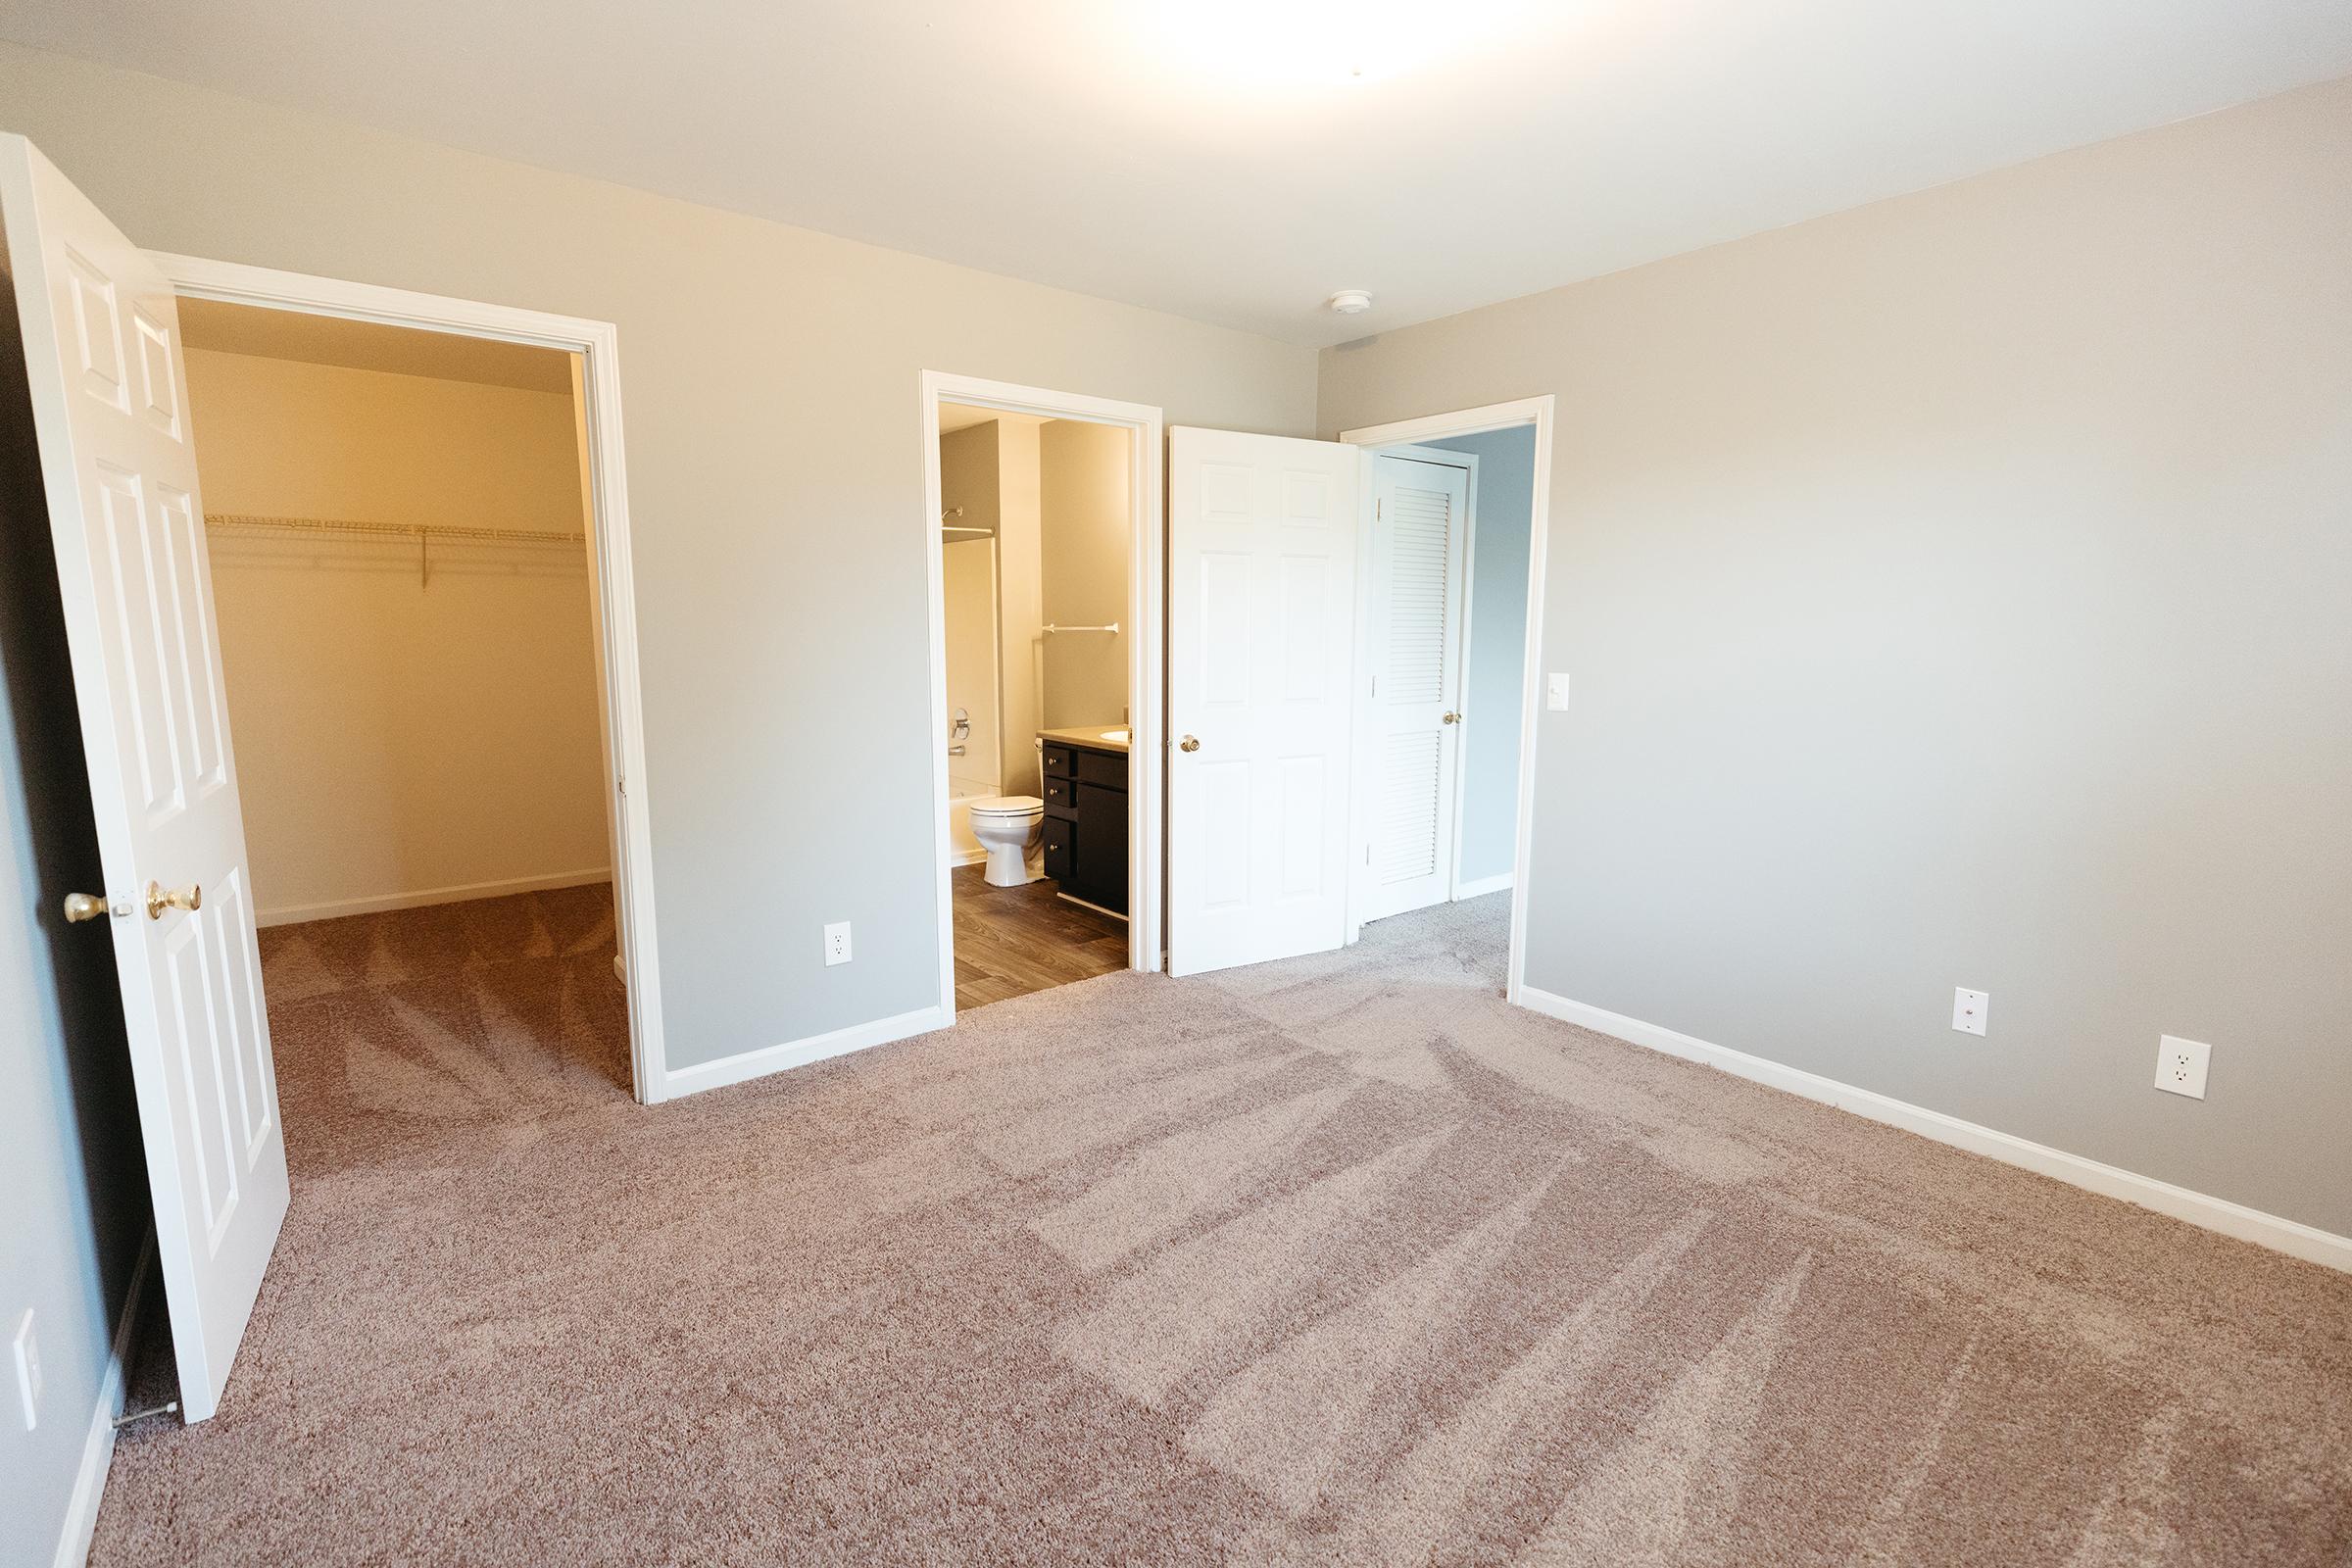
(98,1449)
(971,857)
(377,904)
(1480,887)
(2292,1237)
(759,1064)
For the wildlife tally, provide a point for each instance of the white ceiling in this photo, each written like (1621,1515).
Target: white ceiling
(273,334)
(1216,157)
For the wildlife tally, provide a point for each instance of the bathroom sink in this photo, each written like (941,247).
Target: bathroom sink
(1118,737)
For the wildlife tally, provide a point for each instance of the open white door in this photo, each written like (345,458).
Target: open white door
(102,353)
(1413,645)
(1262,620)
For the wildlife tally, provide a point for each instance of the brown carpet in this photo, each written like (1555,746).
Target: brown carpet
(1337,1260)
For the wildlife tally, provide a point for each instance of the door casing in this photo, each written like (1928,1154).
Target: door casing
(611,581)
(1146,601)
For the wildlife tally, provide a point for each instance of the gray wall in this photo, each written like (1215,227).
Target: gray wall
(770,385)
(74,1207)
(1957,592)
(1502,509)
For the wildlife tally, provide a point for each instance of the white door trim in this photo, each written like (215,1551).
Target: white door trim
(1147,762)
(1540,413)
(614,581)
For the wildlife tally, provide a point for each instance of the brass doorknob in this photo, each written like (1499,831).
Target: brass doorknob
(1188,744)
(158,901)
(1453,719)
(85,907)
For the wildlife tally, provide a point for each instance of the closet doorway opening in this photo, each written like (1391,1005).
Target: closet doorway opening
(418,561)
(1450,555)
(1042,517)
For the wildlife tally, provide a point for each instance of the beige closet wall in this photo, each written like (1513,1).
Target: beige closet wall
(401,740)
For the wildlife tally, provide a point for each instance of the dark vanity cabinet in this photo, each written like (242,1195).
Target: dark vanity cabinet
(1086,822)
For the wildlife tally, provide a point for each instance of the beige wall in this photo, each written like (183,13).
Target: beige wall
(399,739)
(1020,602)
(770,382)
(1084,532)
(1956,594)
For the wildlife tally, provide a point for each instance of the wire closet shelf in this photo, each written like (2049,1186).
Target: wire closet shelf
(422,533)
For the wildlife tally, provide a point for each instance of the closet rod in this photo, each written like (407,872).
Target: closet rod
(1113,627)
(397,531)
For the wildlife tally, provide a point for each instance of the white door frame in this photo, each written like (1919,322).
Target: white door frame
(1540,413)
(1147,761)
(611,580)
(1360,820)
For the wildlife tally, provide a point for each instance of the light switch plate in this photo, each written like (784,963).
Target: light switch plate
(2181,1065)
(1971,1011)
(29,1370)
(1556,693)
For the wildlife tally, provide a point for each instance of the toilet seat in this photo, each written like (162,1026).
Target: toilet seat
(1006,806)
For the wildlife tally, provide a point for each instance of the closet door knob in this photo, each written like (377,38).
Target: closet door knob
(1453,719)
(82,906)
(158,901)
(1188,744)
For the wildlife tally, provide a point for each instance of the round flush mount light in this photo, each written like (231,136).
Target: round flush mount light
(1351,302)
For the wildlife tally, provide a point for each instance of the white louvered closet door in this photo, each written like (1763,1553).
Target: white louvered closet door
(1419,528)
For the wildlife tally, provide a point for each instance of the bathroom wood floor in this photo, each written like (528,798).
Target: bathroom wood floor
(1013,940)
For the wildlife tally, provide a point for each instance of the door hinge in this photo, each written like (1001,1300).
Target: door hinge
(1376,506)
(620,782)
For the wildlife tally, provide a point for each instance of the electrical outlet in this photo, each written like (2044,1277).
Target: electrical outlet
(29,1370)
(1971,1009)
(2180,1066)
(836,943)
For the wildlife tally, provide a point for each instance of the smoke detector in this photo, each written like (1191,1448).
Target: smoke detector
(1351,301)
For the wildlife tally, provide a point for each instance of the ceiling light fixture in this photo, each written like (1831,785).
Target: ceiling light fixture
(1351,301)
(1279,45)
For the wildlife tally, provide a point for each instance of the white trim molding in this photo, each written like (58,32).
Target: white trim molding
(1147,758)
(748,1065)
(98,1449)
(1540,411)
(422,898)
(613,580)
(2292,1237)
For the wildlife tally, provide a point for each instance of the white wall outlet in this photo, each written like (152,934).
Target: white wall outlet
(836,943)
(2180,1066)
(1556,693)
(1971,1009)
(29,1370)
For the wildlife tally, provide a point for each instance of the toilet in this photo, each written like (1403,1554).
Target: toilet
(1008,827)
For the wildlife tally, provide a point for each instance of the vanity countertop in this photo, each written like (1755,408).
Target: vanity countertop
(1096,738)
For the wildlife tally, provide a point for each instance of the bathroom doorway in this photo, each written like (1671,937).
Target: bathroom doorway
(1043,513)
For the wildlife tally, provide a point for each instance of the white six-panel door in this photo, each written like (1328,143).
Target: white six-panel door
(1262,611)
(102,352)
(1413,681)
